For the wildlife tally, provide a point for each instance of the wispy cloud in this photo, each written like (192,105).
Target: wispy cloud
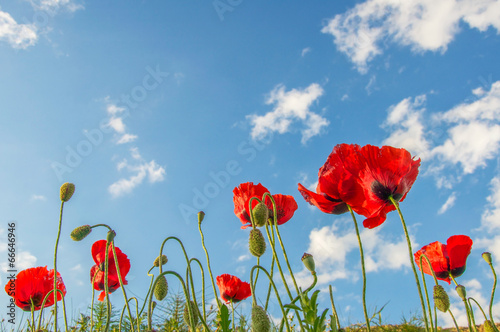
(423,25)
(448,204)
(56,5)
(305,51)
(17,35)
(38,198)
(290,107)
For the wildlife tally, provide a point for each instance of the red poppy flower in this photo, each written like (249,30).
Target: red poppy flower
(342,160)
(446,259)
(285,204)
(378,173)
(32,285)
(99,256)
(232,289)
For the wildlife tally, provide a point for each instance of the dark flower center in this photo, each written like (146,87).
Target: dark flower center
(384,192)
(102,267)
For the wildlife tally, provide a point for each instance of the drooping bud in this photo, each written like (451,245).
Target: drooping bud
(441,299)
(110,236)
(153,305)
(67,190)
(260,320)
(201,216)
(256,243)
(461,292)
(488,326)
(260,214)
(163,260)
(161,288)
(487,257)
(308,261)
(80,233)
(194,312)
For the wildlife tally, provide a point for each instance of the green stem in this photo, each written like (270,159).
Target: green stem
(362,268)
(315,281)
(106,288)
(275,290)
(208,265)
(55,265)
(333,308)
(454,320)
(270,286)
(493,295)
(149,290)
(136,312)
(202,287)
(92,306)
(410,252)
(479,306)
(232,313)
(425,287)
(122,286)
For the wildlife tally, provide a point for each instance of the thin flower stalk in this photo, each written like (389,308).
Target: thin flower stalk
(254,301)
(106,288)
(410,252)
(478,305)
(208,264)
(92,306)
(149,290)
(433,328)
(43,306)
(55,264)
(362,267)
(136,312)
(115,256)
(334,310)
(454,320)
(492,294)
(468,310)
(202,287)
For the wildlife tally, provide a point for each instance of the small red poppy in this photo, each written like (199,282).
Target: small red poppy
(99,256)
(446,259)
(32,285)
(336,169)
(232,289)
(285,204)
(378,174)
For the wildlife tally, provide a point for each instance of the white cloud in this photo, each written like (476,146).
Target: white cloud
(305,51)
(38,198)
(17,35)
(408,130)
(56,5)
(448,204)
(424,25)
(126,138)
(117,124)
(491,217)
(289,107)
(113,109)
(153,171)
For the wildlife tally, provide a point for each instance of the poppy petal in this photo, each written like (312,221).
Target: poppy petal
(459,247)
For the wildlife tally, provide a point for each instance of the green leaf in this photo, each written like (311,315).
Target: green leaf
(292,306)
(224,320)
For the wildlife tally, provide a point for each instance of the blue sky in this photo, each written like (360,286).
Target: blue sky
(158,110)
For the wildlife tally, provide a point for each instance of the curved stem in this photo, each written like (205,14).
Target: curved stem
(136,312)
(208,265)
(493,295)
(425,287)
(479,306)
(410,252)
(122,286)
(454,320)
(275,290)
(202,318)
(55,265)
(92,306)
(106,288)
(270,286)
(149,291)
(362,267)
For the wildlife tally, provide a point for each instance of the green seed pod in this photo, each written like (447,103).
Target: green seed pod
(441,299)
(461,292)
(110,236)
(67,190)
(256,243)
(488,326)
(260,214)
(201,216)
(260,320)
(487,257)
(193,311)
(80,233)
(164,260)
(161,288)
(308,261)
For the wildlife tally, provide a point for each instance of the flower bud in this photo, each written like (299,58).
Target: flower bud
(260,320)
(163,260)
(67,190)
(194,312)
(256,243)
(487,257)
(488,326)
(260,214)
(80,233)
(201,216)
(308,261)
(441,299)
(461,292)
(161,288)
(110,236)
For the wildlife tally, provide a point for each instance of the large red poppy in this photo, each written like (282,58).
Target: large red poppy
(446,259)
(285,204)
(32,285)
(99,256)
(342,160)
(232,289)
(374,177)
